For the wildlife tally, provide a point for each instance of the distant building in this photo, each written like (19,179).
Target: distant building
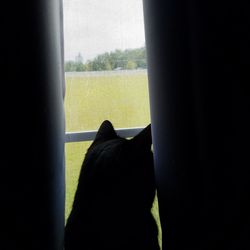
(118,68)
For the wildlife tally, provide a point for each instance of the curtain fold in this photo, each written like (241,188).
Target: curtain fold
(198,59)
(32,125)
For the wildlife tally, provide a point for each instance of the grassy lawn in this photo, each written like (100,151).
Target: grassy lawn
(123,99)
(90,99)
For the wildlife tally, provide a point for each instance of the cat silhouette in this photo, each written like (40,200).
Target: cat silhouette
(113,200)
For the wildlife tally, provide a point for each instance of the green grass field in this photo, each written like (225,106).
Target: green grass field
(90,99)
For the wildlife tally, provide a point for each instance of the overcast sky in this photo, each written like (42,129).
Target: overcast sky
(92,27)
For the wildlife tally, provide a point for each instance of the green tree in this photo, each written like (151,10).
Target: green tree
(124,59)
(89,66)
(79,67)
(107,66)
(131,65)
(69,66)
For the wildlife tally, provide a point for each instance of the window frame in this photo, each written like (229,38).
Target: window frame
(89,135)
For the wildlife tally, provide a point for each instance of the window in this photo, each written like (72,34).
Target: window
(106,75)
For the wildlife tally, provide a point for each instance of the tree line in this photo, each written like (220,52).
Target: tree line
(117,60)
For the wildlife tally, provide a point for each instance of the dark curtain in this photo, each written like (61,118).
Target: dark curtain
(32,125)
(199,58)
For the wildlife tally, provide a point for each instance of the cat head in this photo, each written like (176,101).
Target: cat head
(120,168)
(107,132)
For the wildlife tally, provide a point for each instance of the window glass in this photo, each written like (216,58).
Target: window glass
(74,156)
(106,74)
(105,64)
(105,71)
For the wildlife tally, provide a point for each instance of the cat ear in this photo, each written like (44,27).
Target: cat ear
(143,139)
(105,132)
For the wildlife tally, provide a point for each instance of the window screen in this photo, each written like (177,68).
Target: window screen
(105,71)
(106,75)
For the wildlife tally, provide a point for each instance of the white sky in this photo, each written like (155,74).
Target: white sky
(92,27)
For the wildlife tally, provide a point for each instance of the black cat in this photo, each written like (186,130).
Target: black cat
(116,189)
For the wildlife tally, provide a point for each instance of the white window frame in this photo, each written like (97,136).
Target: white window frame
(90,135)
